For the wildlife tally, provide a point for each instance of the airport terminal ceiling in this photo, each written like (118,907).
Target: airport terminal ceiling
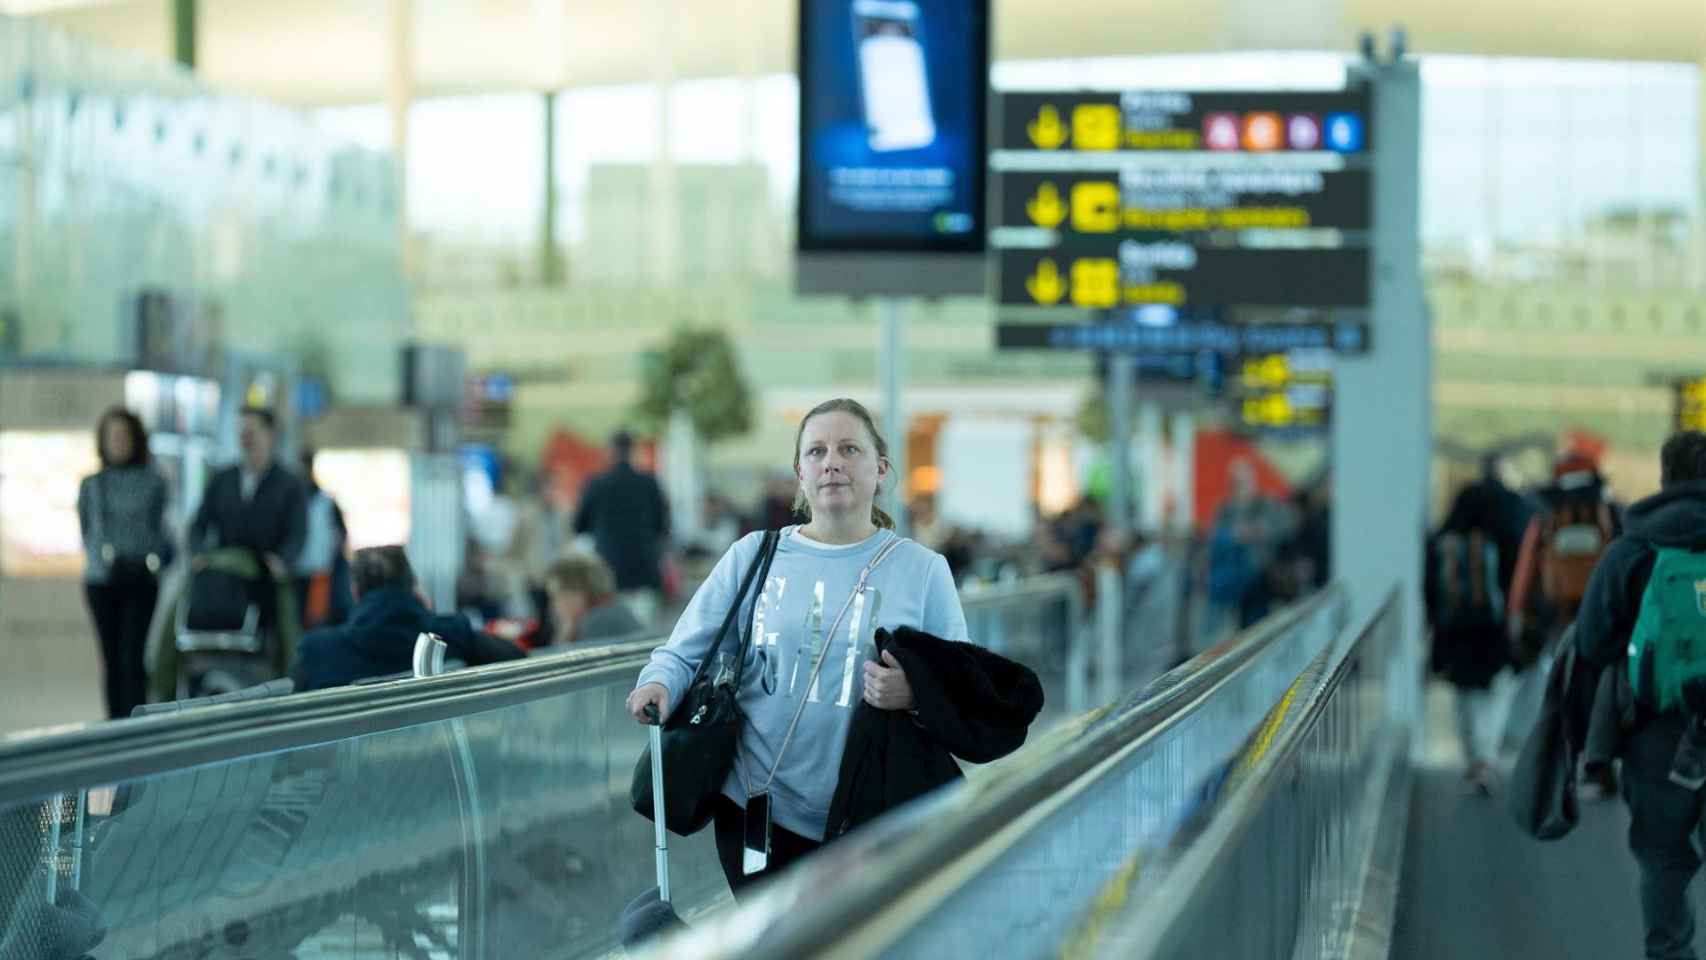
(323,51)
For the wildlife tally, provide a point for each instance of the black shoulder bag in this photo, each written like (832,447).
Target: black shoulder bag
(700,736)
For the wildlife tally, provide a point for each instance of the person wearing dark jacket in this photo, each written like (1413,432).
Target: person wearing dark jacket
(1663,815)
(628,518)
(379,638)
(1465,585)
(258,506)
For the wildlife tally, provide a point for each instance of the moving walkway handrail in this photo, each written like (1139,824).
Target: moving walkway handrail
(1238,808)
(38,764)
(846,898)
(104,753)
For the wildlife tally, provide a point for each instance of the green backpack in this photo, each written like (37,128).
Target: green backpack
(1668,645)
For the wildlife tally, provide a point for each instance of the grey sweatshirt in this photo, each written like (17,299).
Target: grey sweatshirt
(807,587)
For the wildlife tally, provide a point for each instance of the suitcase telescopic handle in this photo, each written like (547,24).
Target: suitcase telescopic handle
(655,729)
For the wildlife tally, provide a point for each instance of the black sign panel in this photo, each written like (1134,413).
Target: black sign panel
(1169,271)
(1200,200)
(1087,208)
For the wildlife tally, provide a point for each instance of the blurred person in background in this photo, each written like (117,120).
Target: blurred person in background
(583,601)
(625,512)
(1560,546)
(257,506)
(379,638)
(1246,536)
(122,512)
(1466,611)
(777,508)
(322,570)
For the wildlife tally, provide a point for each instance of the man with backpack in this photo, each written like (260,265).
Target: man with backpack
(1644,613)
(1560,548)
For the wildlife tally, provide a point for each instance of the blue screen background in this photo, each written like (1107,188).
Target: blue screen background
(833,124)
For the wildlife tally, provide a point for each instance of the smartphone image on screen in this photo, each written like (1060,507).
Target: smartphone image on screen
(892,78)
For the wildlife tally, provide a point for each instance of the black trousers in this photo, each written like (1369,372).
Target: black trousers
(121,612)
(785,846)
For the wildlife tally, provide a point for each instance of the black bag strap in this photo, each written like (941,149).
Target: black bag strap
(766,550)
(769,554)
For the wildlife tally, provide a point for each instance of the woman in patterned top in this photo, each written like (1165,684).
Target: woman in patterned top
(122,510)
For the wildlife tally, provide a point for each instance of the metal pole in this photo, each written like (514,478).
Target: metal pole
(1121,375)
(660,839)
(548,273)
(184,32)
(892,362)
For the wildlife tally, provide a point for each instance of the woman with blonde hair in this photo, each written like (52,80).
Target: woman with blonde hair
(813,684)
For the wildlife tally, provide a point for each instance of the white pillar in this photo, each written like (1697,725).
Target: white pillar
(1184,471)
(891,360)
(1151,482)
(1122,380)
(1383,417)
(664,214)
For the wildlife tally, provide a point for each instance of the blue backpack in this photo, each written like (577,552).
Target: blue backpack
(1466,571)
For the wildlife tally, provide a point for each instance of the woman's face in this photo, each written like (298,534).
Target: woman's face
(839,465)
(117,439)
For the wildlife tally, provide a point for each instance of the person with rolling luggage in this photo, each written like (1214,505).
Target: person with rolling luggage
(820,675)
(258,508)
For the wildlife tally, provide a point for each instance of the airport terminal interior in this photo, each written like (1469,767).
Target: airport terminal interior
(488,479)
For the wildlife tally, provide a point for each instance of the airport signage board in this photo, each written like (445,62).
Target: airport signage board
(1125,198)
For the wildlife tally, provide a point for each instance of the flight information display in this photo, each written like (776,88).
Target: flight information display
(892,124)
(1126,198)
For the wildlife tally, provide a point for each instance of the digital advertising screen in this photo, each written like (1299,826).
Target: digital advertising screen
(892,116)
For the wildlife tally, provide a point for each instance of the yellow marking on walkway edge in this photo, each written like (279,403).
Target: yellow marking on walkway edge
(1270,729)
(1106,907)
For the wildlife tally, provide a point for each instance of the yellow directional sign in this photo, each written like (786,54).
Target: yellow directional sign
(1096,206)
(1046,209)
(1096,282)
(1096,126)
(1046,131)
(1046,286)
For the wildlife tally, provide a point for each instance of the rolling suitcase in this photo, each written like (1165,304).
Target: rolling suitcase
(651,913)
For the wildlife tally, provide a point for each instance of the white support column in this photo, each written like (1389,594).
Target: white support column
(1122,379)
(1184,471)
(1151,484)
(891,360)
(664,215)
(1383,418)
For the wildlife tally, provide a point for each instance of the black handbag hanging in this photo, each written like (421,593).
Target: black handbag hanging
(700,735)
(1542,796)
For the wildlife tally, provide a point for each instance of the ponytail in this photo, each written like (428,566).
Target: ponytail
(881,518)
